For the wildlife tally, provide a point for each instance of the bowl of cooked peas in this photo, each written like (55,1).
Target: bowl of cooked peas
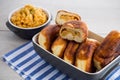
(28,20)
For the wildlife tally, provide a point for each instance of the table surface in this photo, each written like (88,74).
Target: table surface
(101,17)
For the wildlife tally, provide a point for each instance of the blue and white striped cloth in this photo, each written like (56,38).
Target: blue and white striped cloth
(28,64)
(114,75)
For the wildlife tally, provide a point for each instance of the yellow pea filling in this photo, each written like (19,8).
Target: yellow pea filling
(66,32)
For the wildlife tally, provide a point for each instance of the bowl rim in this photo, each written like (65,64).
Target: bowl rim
(44,9)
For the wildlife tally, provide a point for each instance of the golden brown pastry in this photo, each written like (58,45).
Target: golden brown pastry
(70,52)
(58,46)
(84,55)
(108,50)
(47,36)
(64,16)
(74,30)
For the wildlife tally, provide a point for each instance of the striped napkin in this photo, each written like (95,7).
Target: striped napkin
(25,61)
(28,64)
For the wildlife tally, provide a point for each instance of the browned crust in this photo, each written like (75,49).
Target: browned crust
(85,52)
(82,26)
(70,51)
(109,45)
(77,17)
(109,49)
(77,24)
(50,32)
(61,42)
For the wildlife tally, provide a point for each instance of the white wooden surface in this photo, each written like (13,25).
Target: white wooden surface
(102,16)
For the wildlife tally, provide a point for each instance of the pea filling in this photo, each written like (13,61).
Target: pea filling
(68,17)
(74,33)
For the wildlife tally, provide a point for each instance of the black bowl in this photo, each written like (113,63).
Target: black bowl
(27,33)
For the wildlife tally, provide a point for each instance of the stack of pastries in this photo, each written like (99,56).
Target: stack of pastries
(68,39)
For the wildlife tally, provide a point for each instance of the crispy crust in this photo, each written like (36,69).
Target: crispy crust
(58,46)
(108,50)
(74,30)
(70,52)
(85,53)
(47,36)
(64,16)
